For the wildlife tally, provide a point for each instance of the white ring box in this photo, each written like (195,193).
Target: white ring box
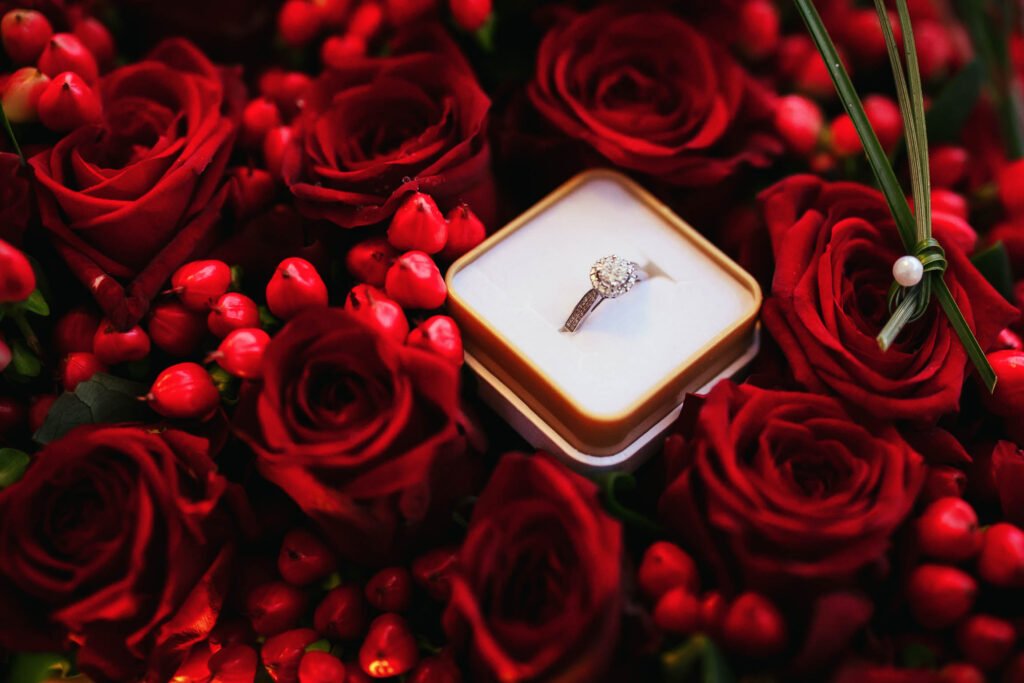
(601,397)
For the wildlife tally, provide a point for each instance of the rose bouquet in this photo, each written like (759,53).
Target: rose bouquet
(238,441)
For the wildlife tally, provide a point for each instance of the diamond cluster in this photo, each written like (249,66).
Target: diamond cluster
(612,276)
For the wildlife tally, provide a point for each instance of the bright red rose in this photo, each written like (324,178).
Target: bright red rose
(834,246)
(363,433)
(784,491)
(652,94)
(125,534)
(537,594)
(382,128)
(132,198)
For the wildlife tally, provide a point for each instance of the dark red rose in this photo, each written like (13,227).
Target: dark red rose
(652,94)
(132,198)
(537,594)
(118,539)
(383,128)
(783,491)
(834,246)
(363,433)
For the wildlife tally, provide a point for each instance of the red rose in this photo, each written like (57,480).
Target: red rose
(834,246)
(383,128)
(363,433)
(652,94)
(132,198)
(117,539)
(784,491)
(537,595)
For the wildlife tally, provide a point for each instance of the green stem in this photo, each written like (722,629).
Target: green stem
(609,487)
(21,321)
(11,136)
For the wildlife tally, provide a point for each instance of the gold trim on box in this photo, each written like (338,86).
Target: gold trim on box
(600,434)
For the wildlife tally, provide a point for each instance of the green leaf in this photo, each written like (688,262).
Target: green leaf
(993,262)
(321,645)
(13,464)
(698,653)
(37,667)
(485,34)
(953,106)
(35,303)
(101,399)
(24,362)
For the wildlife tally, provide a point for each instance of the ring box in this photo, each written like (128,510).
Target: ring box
(600,397)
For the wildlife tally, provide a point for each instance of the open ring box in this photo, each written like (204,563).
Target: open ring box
(601,397)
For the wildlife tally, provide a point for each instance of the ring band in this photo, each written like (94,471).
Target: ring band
(610,277)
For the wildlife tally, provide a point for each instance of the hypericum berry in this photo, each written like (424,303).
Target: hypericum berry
(947,165)
(1008,340)
(1011,186)
(65,52)
(1008,398)
(231,663)
(677,611)
(338,51)
(666,566)
(884,116)
(341,614)
(712,612)
(953,203)
(333,12)
(38,409)
(940,596)
(439,335)
(435,669)
(304,558)
(258,118)
(369,260)
(958,672)
(232,311)
(113,346)
(465,231)
(282,653)
(274,607)
(199,283)
(275,146)
(320,667)
(390,589)
(79,367)
(241,352)
(378,311)
(404,12)
(389,649)
(25,33)
(295,287)
(286,88)
(843,138)
(68,103)
(184,391)
(471,14)
(298,22)
(418,225)
(812,75)
(21,94)
(17,279)
(935,49)
(414,281)
(799,122)
(96,38)
(175,329)
(753,626)
(986,641)
(252,191)
(433,571)
(366,20)
(869,46)
(757,29)
(948,530)
(1001,562)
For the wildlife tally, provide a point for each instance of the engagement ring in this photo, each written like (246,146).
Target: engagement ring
(610,277)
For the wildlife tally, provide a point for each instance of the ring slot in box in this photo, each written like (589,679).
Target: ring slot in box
(634,358)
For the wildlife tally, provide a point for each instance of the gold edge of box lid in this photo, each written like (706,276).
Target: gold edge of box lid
(543,393)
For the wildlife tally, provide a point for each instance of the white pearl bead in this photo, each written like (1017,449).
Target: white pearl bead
(908,270)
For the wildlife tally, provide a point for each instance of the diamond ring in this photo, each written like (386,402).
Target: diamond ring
(610,277)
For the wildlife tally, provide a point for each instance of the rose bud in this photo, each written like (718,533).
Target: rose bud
(12,415)
(753,627)
(389,649)
(112,346)
(184,392)
(415,282)
(986,641)
(79,367)
(666,566)
(1001,562)
(947,165)
(440,335)
(1008,398)
(65,52)
(232,311)
(282,653)
(712,610)
(436,669)
(757,29)
(677,611)
(338,51)
(275,146)
(948,530)
(465,231)
(470,15)
(74,331)
(17,279)
(96,38)
(940,596)
(21,94)
(25,33)
(295,287)
(433,572)
(274,607)
(68,103)
(958,672)
(366,20)
(304,558)
(174,329)
(235,663)
(418,225)
(298,22)
(38,408)
(321,667)
(378,311)
(369,260)
(799,121)
(341,614)
(390,589)
(199,283)
(241,352)
(259,117)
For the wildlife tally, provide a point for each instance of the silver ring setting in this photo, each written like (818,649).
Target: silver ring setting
(610,278)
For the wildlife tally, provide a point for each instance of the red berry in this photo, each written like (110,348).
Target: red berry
(799,122)
(753,627)
(295,287)
(813,77)
(287,89)
(712,612)
(184,391)
(235,663)
(96,38)
(1008,340)
(338,51)
(947,165)
(465,231)
(25,33)
(884,116)
(378,311)
(68,103)
(199,283)
(958,672)
(843,136)
(953,203)
(38,409)
(274,607)
(366,20)
(174,329)
(341,614)
(252,191)
(17,279)
(986,641)
(433,572)
(79,367)
(470,14)
(282,653)
(1008,398)
(74,331)
(1001,562)
(275,147)
(390,589)
(12,415)
(304,558)
(666,566)
(241,352)
(415,282)
(948,530)
(677,611)
(65,52)
(6,355)
(258,118)
(439,335)
(334,12)
(418,225)
(389,649)
(369,260)
(935,50)
(21,94)
(940,596)
(1010,179)
(436,669)
(405,12)
(112,346)
(299,22)
(321,667)
(757,29)
(867,40)
(232,311)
